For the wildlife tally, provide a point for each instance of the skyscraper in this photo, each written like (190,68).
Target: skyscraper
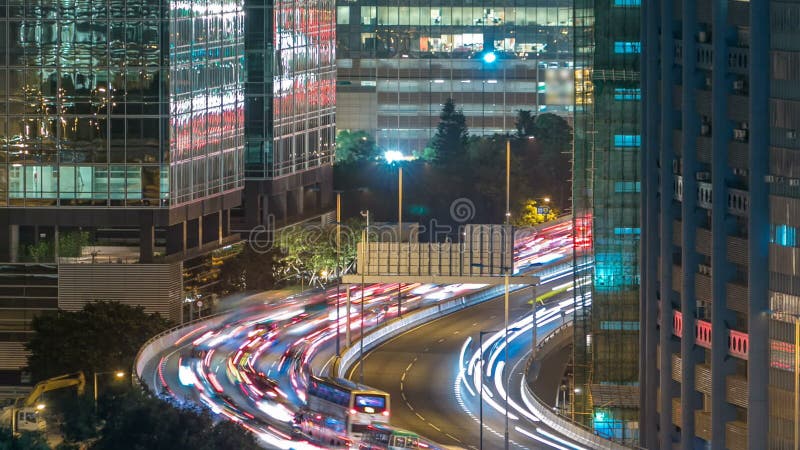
(606,189)
(720,192)
(122,144)
(289,117)
(399,62)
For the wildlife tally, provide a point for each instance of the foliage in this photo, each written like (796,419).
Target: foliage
(71,244)
(251,269)
(40,252)
(531,215)
(450,141)
(354,146)
(308,253)
(525,123)
(77,411)
(27,440)
(141,422)
(102,336)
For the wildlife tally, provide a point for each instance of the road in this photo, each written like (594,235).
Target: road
(251,365)
(420,369)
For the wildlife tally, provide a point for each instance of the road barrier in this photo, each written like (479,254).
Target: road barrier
(399,325)
(557,422)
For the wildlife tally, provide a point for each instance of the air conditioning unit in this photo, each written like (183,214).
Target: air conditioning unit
(705,129)
(703,176)
(740,134)
(791,134)
(702,36)
(771,179)
(794,182)
(738,85)
(709,82)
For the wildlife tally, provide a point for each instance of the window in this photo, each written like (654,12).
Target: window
(343,15)
(627,186)
(627,231)
(627,47)
(627,140)
(783,235)
(627,94)
(627,3)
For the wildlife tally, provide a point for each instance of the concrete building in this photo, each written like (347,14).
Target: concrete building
(399,62)
(720,191)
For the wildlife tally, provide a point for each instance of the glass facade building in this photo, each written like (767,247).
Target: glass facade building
(120,104)
(399,62)
(291,86)
(721,195)
(606,191)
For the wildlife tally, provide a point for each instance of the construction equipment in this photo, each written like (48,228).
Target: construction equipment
(25,414)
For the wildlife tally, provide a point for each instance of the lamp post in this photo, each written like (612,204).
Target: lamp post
(399,235)
(117,373)
(338,265)
(365,242)
(507,268)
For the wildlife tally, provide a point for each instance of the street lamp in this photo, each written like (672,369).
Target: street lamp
(365,243)
(118,374)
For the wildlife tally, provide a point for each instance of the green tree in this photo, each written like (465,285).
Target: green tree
(71,244)
(450,141)
(40,252)
(102,336)
(355,146)
(309,253)
(140,422)
(525,123)
(251,269)
(27,440)
(530,214)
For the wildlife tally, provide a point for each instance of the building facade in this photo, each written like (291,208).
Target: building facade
(399,62)
(720,195)
(121,152)
(290,105)
(606,189)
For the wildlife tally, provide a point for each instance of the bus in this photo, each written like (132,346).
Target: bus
(381,437)
(338,411)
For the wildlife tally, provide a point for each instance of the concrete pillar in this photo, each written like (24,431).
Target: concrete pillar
(690,352)
(648,293)
(721,223)
(56,250)
(277,206)
(176,238)
(194,233)
(13,243)
(758,227)
(147,238)
(668,210)
(225,226)
(252,205)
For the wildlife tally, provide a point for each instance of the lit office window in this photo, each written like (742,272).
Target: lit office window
(627,140)
(624,3)
(627,94)
(627,186)
(783,235)
(623,231)
(627,47)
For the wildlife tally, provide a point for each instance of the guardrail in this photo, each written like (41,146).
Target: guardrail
(558,423)
(398,325)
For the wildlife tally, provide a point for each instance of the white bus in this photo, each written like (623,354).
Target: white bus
(338,412)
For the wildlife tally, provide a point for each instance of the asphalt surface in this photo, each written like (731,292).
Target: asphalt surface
(419,369)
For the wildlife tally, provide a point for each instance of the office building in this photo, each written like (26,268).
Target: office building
(606,185)
(720,195)
(122,146)
(289,116)
(399,62)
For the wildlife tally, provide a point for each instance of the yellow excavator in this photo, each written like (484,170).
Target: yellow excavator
(26,414)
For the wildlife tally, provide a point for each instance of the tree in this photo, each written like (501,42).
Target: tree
(102,336)
(71,244)
(308,253)
(251,269)
(27,440)
(525,123)
(531,214)
(355,146)
(141,422)
(450,140)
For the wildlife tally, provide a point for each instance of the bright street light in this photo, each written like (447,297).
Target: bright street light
(40,406)
(489,57)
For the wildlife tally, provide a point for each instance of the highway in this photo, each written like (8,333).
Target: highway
(251,365)
(421,368)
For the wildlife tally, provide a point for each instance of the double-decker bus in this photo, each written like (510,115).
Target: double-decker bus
(381,437)
(338,411)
